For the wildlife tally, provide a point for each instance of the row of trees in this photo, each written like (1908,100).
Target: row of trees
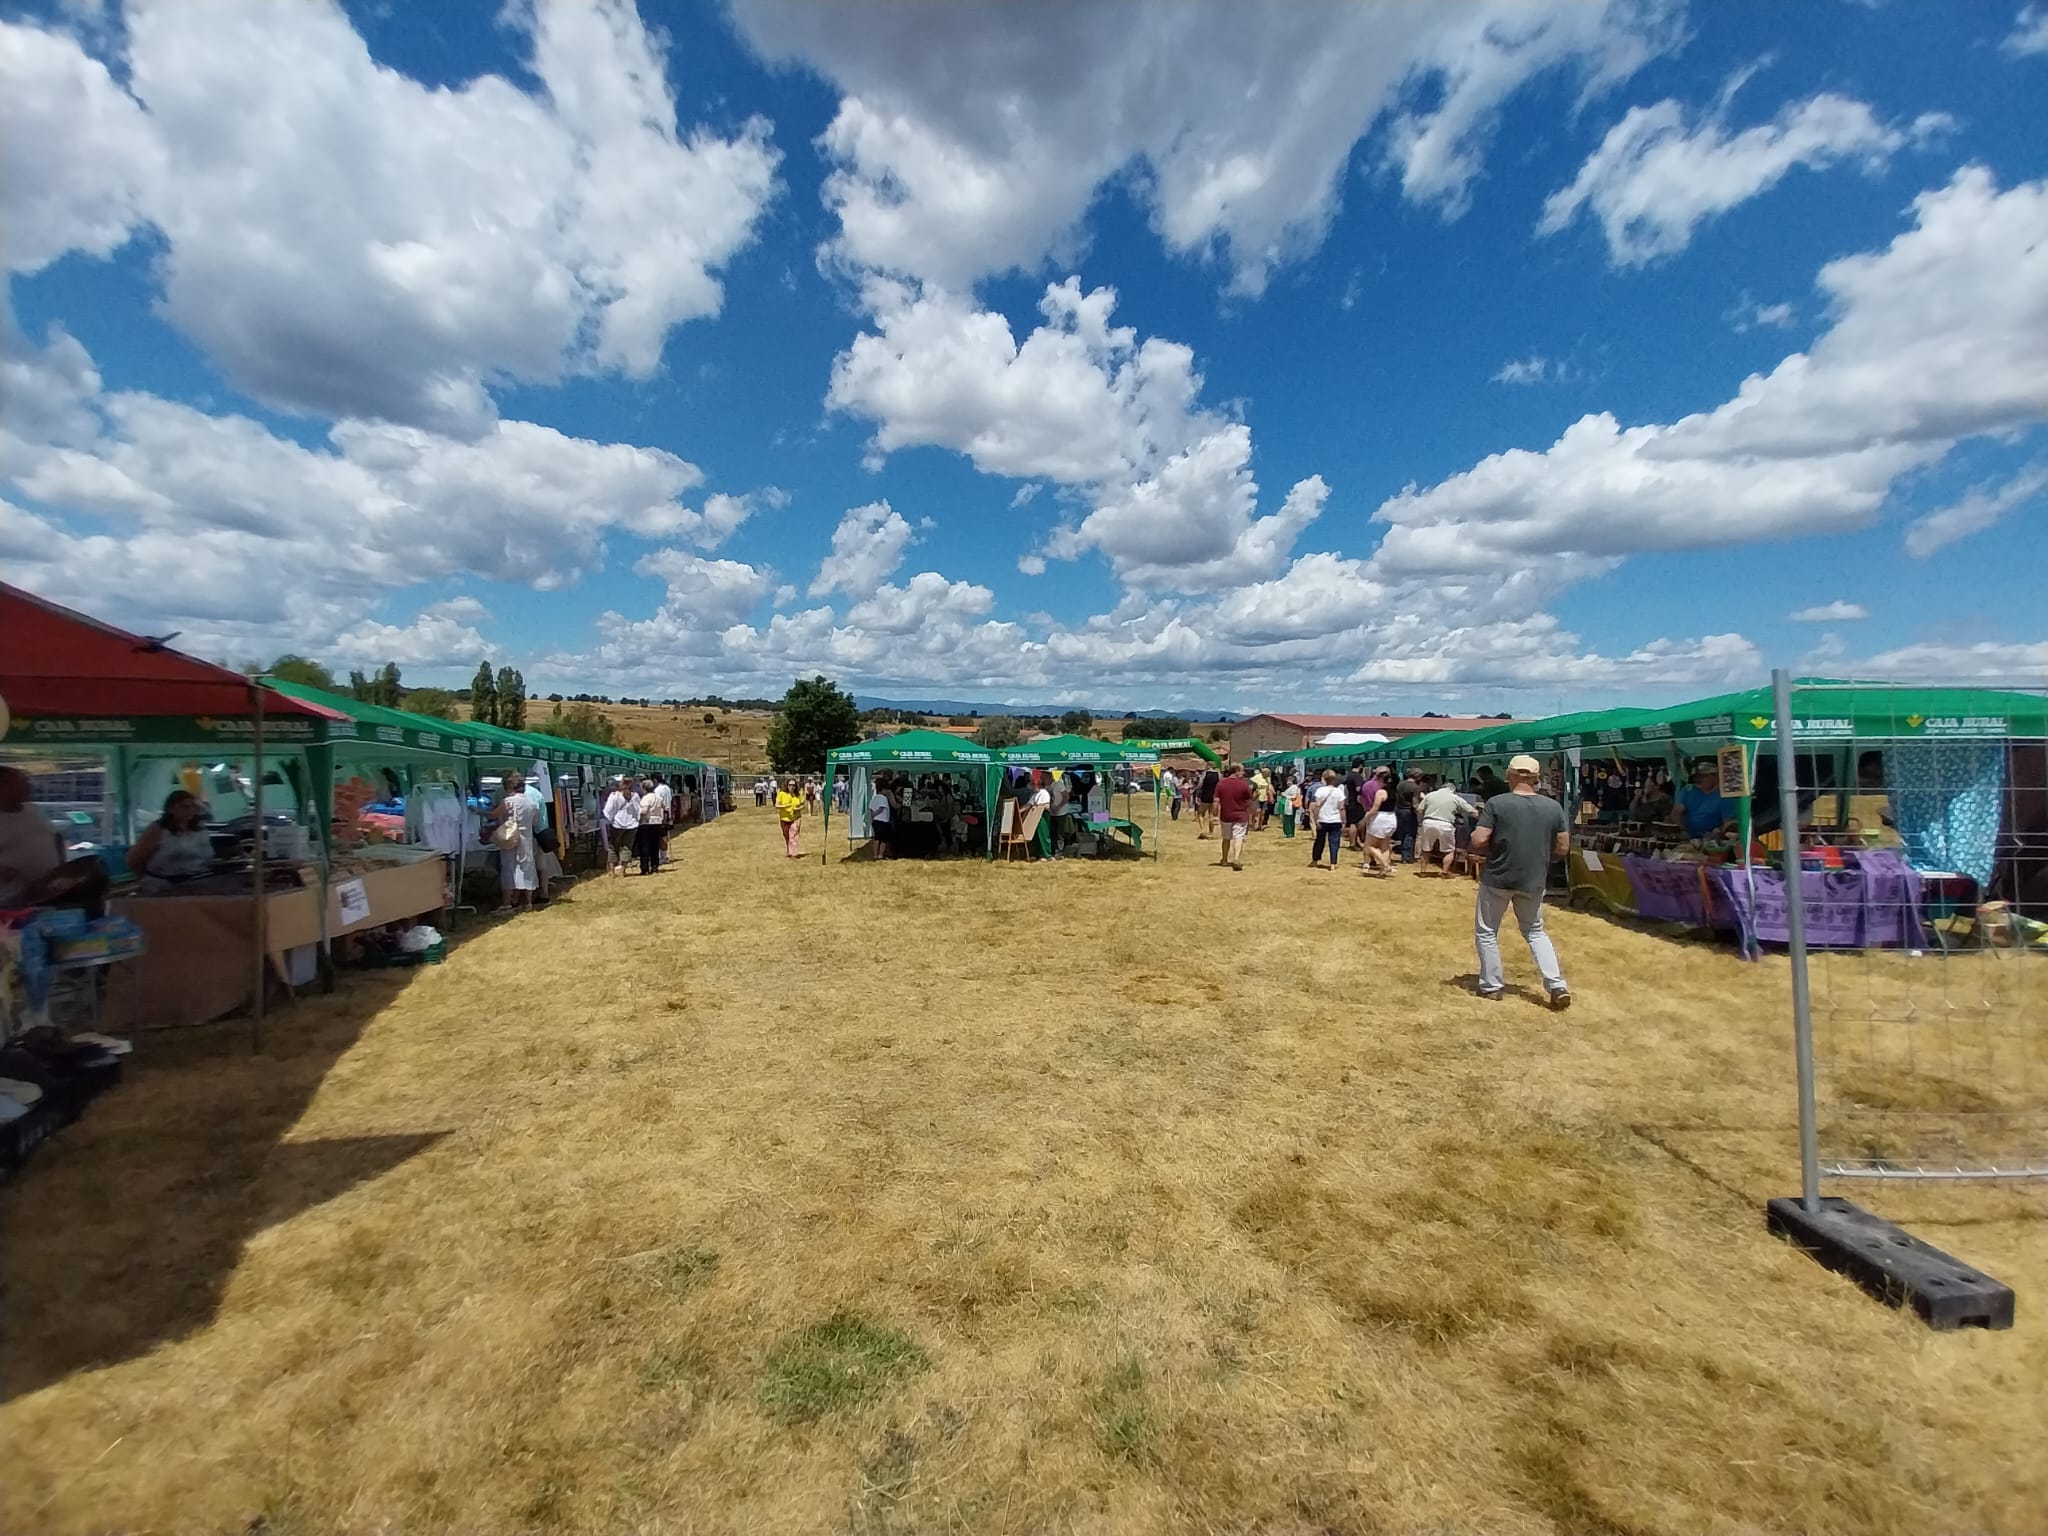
(815,716)
(500,698)
(384,686)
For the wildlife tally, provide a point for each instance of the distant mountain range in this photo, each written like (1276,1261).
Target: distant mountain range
(975,707)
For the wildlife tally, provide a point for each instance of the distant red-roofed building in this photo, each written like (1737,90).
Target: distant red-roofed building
(1280,733)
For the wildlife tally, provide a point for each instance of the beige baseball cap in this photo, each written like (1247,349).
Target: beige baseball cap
(1525,764)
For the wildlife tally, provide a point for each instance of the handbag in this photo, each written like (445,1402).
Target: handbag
(545,840)
(507,835)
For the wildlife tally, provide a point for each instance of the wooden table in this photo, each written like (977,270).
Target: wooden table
(197,966)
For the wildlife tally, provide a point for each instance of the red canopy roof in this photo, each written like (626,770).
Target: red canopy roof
(56,662)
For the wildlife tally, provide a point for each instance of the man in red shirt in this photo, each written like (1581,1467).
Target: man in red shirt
(1234,796)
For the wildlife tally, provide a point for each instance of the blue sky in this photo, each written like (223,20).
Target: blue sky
(1511,355)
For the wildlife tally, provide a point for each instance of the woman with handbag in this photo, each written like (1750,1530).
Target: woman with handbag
(512,835)
(622,824)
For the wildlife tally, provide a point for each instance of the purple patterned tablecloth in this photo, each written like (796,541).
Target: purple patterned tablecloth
(1873,904)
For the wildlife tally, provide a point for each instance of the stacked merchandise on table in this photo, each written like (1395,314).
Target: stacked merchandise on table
(1854,898)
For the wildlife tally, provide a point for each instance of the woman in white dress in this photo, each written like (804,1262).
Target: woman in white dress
(518,868)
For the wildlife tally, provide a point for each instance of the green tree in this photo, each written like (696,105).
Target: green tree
(1219,734)
(298,669)
(359,685)
(814,717)
(483,696)
(1076,722)
(386,689)
(580,722)
(642,749)
(438,702)
(511,699)
(1157,728)
(999,731)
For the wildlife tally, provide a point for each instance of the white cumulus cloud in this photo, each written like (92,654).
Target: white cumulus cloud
(76,153)
(149,509)
(344,240)
(1933,339)
(2029,33)
(867,546)
(1083,403)
(1655,179)
(1837,612)
(1983,506)
(972,139)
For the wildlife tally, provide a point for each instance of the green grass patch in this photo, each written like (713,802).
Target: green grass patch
(834,1364)
(1124,1426)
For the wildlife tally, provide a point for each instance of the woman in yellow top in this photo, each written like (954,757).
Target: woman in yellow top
(789,806)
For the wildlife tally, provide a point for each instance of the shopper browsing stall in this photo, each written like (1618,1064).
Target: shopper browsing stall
(513,824)
(622,823)
(1442,809)
(881,817)
(653,827)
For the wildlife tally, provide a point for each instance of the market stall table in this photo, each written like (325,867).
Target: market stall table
(198,935)
(195,968)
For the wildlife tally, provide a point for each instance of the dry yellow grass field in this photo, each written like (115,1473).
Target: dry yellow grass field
(732,738)
(1132,1197)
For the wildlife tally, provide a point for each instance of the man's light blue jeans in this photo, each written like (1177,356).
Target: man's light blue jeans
(1528,905)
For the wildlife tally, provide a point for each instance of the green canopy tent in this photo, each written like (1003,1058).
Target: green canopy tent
(417,749)
(1829,720)
(1088,752)
(71,681)
(910,749)
(1568,737)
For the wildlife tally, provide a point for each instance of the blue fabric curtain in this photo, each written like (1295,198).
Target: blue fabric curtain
(1947,798)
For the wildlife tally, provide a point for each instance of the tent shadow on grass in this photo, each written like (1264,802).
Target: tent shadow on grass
(123,1232)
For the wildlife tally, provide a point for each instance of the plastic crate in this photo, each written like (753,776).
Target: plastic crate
(433,954)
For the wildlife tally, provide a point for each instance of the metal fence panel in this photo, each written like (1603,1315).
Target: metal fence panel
(1919,943)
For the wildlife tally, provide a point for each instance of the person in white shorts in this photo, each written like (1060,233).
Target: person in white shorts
(1380,825)
(1442,809)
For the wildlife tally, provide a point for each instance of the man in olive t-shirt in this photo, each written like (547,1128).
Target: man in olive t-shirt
(1520,832)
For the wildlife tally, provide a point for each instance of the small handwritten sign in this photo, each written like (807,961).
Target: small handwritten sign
(353,902)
